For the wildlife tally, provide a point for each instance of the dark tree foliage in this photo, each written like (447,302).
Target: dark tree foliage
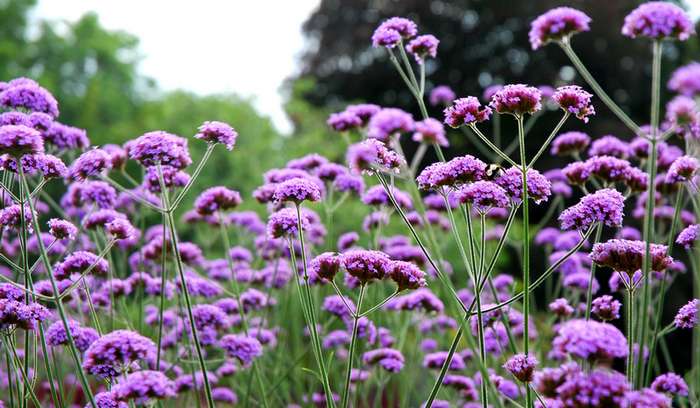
(481,43)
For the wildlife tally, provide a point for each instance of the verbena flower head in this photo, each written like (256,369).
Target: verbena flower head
(561,307)
(217,199)
(538,186)
(217,132)
(62,229)
(325,265)
(16,314)
(284,223)
(609,145)
(688,236)
(687,316)
(121,229)
(557,24)
(24,93)
(406,275)
(365,265)
(422,47)
(670,383)
(686,79)
(647,398)
(343,121)
(18,140)
(297,190)
(389,122)
(626,256)
(466,111)
(82,336)
(11,217)
(462,169)
(389,359)
(364,111)
(116,352)
(575,100)
(241,347)
(570,143)
(605,206)
(144,387)
(107,399)
(606,308)
(517,100)
(658,20)
(589,340)
(391,31)
(430,131)
(92,163)
(78,262)
(159,147)
(370,155)
(66,137)
(682,169)
(378,196)
(521,366)
(600,388)
(483,195)
(441,95)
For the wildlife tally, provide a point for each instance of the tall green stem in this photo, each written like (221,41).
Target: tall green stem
(526,252)
(59,304)
(589,290)
(312,316)
(353,344)
(648,232)
(188,304)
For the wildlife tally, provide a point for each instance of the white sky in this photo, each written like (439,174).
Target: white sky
(207,46)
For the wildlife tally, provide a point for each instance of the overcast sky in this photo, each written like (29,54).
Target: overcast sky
(210,46)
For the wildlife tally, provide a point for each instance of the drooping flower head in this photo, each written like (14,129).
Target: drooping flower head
(658,20)
(217,132)
(575,100)
(466,111)
(521,366)
(557,24)
(605,206)
(626,256)
(422,47)
(159,147)
(517,100)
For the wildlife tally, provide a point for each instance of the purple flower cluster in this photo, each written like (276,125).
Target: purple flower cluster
(392,31)
(557,24)
(574,100)
(115,352)
(217,132)
(466,111)
(517,100)
(626,256)
(604,206)
(658,20)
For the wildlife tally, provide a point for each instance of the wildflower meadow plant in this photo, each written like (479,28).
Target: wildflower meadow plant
(108,299)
